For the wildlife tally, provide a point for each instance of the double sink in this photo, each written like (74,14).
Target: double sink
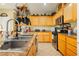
(16,42)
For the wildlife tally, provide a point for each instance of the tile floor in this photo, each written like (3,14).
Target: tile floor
(46,49)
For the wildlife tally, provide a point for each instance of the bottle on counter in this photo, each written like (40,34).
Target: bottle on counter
(69,31)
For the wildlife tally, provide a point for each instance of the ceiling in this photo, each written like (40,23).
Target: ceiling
(35,8)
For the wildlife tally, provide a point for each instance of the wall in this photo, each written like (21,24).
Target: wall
(78,29)
(73,24)
(41,28)
(11,15)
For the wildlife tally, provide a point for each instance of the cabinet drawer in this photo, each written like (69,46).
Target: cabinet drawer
(70,53)
(72,48)
(40,37)
(46,38)
(72,41)
(61,37)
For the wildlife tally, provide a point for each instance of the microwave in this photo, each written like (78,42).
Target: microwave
(60,20)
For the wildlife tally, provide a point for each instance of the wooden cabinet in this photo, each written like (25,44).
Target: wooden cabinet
(34,20)
(72,49)
(61,44)
(70,13)
(71,46)
(49,21)
(70,53)
(41,20)
(67,45)
(74,12)
(44,37)
(72,41)
(30,52)
(47,37)
(40,37)
(32,49)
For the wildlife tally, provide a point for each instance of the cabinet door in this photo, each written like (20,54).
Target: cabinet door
(70,53)
(41,20)
(46,38)
(49,20)
(33,49)
(68,13)
(72,48)
(30,53)
(40,37)
(72,41)
(62,46)
(50,37)
(74,12)
(34,20)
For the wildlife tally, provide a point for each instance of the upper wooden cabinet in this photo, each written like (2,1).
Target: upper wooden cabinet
(34,20)
(70,13)
(74,10)
(42,20)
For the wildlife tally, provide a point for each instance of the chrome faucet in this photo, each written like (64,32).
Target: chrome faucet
(7,34)
(1,26)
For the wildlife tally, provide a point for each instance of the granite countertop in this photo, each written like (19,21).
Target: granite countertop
(72,35)
(17,51)
(24,48)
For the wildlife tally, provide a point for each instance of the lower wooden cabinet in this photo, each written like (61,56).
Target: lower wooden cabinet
(61,47)
(72,41)
(32,49)
(44,37)
(40,37)
(71,46)
(61,44)
(70,53)
(67,45)
(30,52)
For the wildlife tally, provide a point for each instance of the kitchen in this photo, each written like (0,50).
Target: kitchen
(46,29)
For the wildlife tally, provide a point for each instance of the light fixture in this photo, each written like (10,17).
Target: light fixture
(2,3)
(70,4)
(44,4)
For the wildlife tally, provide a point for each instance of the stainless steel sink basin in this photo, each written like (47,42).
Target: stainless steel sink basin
(16,42)
(13,45)
(24,36)
(21,37)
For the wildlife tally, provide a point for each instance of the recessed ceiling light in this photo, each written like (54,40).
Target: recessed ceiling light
(44,4)
(70,4)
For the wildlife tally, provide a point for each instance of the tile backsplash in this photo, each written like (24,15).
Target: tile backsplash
(73,24)
(41,28)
